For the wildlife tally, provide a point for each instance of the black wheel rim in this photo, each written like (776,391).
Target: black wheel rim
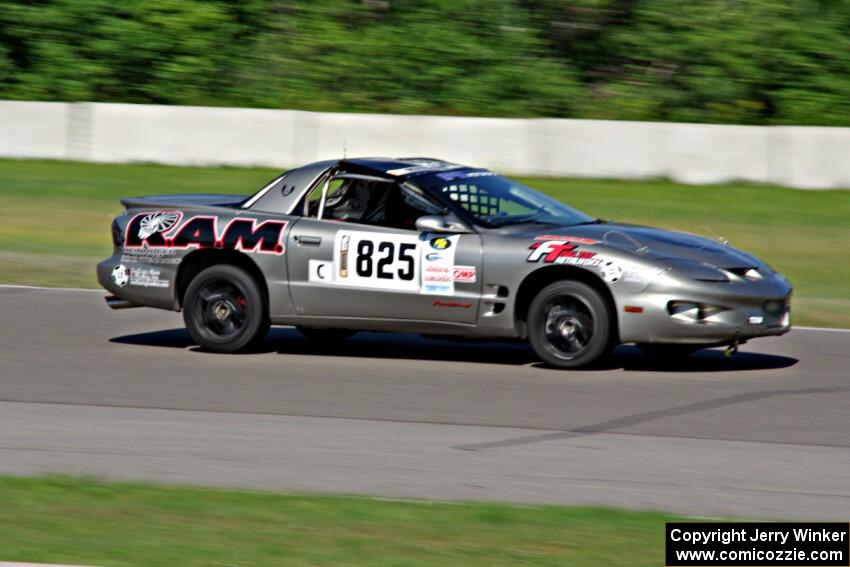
(567,326)
(223,309)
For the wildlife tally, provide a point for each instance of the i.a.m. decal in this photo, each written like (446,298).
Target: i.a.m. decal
(162,229)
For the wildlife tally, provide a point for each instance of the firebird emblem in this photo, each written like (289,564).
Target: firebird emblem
(157,222)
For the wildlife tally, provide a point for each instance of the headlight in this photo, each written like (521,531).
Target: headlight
(694,270)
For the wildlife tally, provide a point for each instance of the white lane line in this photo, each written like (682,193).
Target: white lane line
(89,290)
(828,329)
(42,288)
(6,564)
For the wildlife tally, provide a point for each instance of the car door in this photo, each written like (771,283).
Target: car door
(343,269)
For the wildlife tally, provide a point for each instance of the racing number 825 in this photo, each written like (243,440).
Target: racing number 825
(385,259)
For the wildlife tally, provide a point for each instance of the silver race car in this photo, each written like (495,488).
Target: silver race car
(421,245)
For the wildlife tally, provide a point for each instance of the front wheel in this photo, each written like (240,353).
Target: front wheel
(569,325)
(224,310)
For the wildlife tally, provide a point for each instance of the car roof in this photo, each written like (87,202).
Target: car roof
(296,181)
(399,168)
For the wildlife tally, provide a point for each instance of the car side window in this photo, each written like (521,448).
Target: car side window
(310,205)
(357,201)
(407,204)
(348,200)
(377,203)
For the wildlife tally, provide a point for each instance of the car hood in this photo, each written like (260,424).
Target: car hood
(649,243)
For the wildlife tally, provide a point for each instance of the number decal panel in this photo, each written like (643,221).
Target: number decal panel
(415,263)
(377,260)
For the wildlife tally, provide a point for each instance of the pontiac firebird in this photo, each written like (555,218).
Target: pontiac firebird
(426,246)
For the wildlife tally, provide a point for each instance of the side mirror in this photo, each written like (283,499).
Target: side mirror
(438,223)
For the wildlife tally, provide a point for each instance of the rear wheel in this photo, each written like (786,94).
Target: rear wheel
(224,310)
(325,334)
(569,325)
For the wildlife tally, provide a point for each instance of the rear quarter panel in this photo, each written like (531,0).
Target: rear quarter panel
(145,266)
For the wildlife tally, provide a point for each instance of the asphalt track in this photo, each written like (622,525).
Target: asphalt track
(125,395)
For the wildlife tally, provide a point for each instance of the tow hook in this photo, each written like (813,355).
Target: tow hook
(731,349)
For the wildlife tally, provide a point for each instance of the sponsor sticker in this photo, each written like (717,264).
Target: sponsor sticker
(121,275)
(147,277)
(428,165)
(451,304)
(464,274)
(611,271)
(320,271)
(159,229)
(150,256)
(161,221)
(441,242)
(455,175)
(344,242)
(438,268)
(562,252)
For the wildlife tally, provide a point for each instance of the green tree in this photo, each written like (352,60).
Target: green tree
(166,51)
(463,57)
(759,61)
(737,61)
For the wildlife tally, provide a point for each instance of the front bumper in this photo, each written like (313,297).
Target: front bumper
(686,312)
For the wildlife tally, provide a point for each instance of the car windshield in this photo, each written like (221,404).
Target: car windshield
(494,201)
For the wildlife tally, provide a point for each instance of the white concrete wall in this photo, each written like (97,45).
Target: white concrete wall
(804,157)
(34,129)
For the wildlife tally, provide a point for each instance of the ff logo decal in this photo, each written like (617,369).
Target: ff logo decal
(561,252)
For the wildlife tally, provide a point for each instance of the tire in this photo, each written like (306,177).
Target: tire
(325,334)
(224,310)
(569,325)
(668,351)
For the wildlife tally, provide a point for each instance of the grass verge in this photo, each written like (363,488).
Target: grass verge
(55,218)
(84,522)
